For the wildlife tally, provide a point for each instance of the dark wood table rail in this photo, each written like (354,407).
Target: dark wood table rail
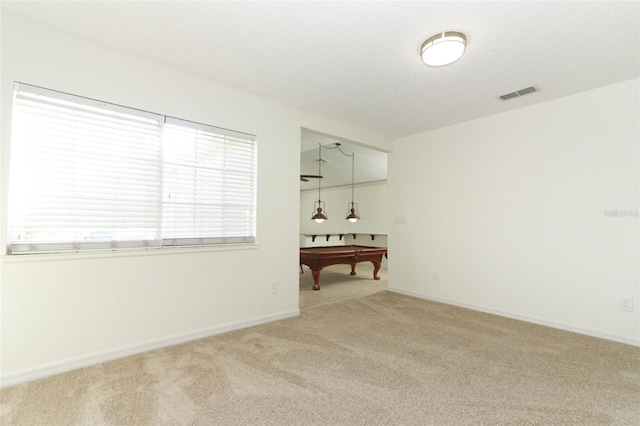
(317,258)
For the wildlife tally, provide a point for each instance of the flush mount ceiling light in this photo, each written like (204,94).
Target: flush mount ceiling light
(443,48)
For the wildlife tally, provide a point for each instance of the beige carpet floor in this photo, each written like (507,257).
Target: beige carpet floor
(336,284)
(377,359)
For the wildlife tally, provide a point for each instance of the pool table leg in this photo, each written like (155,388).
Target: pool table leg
(353,269)
(376,268)
(316,279)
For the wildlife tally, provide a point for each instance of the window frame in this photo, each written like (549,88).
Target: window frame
(16,247)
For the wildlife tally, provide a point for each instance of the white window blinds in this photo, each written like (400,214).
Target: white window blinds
(89,175)
(208,186)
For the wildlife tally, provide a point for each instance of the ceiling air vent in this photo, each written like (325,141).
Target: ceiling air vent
(520,92)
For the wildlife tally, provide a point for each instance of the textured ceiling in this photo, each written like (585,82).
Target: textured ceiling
(358,61)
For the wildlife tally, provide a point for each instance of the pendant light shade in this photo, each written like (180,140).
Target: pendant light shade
(353,215)
(443,48)
(319,216)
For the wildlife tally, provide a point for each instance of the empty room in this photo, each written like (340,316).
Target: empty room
(168,169)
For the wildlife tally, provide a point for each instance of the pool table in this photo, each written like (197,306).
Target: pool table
(317,258)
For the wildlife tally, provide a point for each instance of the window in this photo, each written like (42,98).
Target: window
(89,175)
(208,185)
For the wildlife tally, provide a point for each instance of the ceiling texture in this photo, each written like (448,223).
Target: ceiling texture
(358,61)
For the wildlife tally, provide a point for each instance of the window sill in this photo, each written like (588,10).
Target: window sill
(107,254)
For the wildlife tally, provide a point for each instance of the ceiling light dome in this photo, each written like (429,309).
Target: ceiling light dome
(443,48)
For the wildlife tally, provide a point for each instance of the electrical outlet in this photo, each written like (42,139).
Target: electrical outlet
(274,287)
(436,276)
(626,304)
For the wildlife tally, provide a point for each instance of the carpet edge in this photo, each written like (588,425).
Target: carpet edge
(629,340)
(75,363)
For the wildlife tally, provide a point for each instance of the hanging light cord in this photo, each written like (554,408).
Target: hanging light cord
(353,176)
(319,169)
(339,149)
(353,159)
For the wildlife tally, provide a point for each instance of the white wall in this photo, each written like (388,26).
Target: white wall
(65,311)
(510,210)
(372,206)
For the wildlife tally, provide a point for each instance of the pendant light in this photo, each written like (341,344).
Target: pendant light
(319,216)
(352,213)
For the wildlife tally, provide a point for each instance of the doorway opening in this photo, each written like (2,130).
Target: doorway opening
(361,178)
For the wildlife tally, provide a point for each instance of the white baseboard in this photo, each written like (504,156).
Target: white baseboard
(540,321)
(75,363)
